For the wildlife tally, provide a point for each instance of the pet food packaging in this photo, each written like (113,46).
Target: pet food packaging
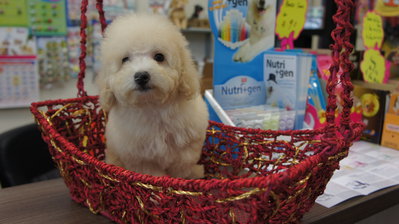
(286,76)
(259,117)
(238,72)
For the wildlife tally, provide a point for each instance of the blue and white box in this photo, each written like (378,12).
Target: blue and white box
(286,76)
(243,31)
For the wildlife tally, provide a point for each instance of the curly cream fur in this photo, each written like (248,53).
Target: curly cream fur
(159,131)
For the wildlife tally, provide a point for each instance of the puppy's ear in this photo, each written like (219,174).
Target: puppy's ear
(107,97)
(189,78)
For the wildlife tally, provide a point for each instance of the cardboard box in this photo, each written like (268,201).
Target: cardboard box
(258,117)
(390,136)
(216,112)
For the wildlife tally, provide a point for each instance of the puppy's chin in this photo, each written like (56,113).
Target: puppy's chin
(146,96)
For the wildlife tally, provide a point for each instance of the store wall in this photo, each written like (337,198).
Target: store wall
(142,6)
(199,44)
(15,117)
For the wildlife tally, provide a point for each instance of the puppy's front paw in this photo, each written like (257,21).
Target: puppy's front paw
(246,58)
(238,56)
(112,158)
(197,172)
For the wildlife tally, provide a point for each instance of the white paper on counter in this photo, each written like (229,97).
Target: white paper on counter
(368,168)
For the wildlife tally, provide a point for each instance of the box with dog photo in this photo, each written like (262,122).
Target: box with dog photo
(286,76)
(243,30)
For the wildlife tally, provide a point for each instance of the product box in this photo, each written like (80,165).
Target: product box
(286,76)
(390,135)
(242,31)
(258,117)
(216,112)
(372,98)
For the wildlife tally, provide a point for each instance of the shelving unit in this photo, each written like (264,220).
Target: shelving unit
(200,42)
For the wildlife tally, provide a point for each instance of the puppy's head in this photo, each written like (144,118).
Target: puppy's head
(145,61)
(176,4)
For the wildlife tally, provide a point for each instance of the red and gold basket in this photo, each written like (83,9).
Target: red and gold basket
(252,176)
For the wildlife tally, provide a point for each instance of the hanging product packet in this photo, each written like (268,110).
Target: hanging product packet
(243,30)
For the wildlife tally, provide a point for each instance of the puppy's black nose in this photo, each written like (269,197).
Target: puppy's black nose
(141,78)
(261,3)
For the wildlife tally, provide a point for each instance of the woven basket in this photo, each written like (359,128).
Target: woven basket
(252,176)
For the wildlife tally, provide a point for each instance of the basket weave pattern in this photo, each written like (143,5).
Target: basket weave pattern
(252,176)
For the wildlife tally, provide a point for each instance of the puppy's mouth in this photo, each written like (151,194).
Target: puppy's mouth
(145,88)
(262,9)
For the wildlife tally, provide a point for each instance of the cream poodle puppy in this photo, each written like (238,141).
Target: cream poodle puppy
(149,86)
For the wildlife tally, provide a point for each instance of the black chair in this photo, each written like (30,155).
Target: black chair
(24,157)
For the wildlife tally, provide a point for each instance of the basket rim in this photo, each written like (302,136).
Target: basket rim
(289,175)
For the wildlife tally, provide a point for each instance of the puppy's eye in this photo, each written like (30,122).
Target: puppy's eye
(125,59)
(159,57)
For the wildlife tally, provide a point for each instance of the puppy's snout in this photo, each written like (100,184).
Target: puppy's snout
(142,78)
(261,3)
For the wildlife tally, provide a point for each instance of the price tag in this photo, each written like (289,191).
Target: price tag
(373,67)
(291,18)
(373,33)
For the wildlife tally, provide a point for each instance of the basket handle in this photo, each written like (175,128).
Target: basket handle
(83,40)
(341,49)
